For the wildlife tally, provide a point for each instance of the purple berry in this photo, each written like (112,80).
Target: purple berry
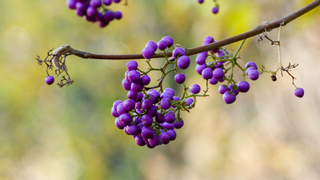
(243,86)
(126,84)
(71,4)
(139,140)
(129,104)
(208,39)
(189,101)
(169,90)
(162,44)
(222,89)
(200,59)
(299,92)
(118,123)
(132,129)
(134,76)
(229,98)
(95,3)
(215,10)
(147,132)
(152,44)
(169,40)
(125,118)
(178,124)
(207,73)
(159,118)
(183,62)
(166,95)
(148,52)
(213,81)
(132,95)
(253,75)
(200,1)
(114,112)
(116,1)
(107,2)
(218,73)
(195,88)
(49,80)
(146,104)
(164,103)
(145,80)
(154,140)
(167,125)
(169,117)
(117,15)
(147,120)
(108,16)
(172,134)
(165,137)
(251,64)
(136,87)
(180,78)
(179,51)
(132,65)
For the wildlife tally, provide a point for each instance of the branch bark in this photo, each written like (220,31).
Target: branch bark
(191,51)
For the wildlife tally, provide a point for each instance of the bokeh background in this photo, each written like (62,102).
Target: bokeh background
(52,133)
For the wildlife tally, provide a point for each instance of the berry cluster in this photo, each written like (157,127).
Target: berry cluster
(95,10)
(213,67)
(149,115)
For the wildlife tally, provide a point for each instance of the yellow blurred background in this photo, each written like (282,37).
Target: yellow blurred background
(52,133)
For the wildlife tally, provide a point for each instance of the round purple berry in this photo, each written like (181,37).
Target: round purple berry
(128,104)
(117,15)
(229,98)
(179,51)
(200,1)
(218,73)
(299,92)
(169,117)
(215,10)
(162,44)
(134,76)
(139,140)
(180,78)
(49,80)
(222,89)
(243,86)
(208,39)
(183,62)
(145,80)
(152,44)
(213,81)
(253,75)
(169,40)
(71,4)
(251,64)
(195,88)
(132,65)
(200,59)
(148,52)
(164,103)
(207,73)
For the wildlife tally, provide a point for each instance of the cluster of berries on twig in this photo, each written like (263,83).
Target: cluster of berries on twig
(95,10)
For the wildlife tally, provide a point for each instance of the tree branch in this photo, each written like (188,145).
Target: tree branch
(265,26)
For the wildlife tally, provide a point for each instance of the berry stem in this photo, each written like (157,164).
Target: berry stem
(191,51)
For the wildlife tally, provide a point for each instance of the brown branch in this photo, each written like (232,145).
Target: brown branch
(265,26)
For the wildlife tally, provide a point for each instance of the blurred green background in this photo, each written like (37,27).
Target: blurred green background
(50,133)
